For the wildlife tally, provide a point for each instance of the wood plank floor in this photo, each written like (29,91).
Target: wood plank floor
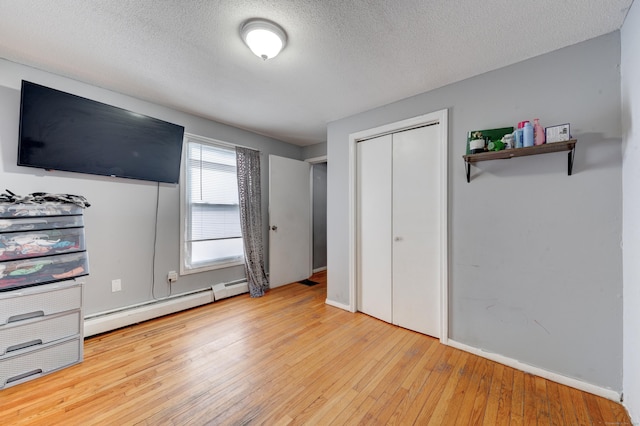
(288,358)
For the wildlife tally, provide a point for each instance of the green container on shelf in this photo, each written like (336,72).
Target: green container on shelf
(488,135)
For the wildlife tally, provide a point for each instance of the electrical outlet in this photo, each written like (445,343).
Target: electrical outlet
(116,285)
(172,276)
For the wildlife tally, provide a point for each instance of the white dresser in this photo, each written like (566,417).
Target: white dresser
(42,252)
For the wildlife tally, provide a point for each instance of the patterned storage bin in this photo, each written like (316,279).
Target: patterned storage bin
(46,209)
(24,245)
(38,223)
(41,243)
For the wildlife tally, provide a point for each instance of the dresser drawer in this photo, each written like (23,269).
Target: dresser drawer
(25,366)
(40,331)
(33,302)
(32,210)
(37,243)
(37,223)
(40,270)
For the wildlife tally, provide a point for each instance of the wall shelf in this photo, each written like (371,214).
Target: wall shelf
(505,154)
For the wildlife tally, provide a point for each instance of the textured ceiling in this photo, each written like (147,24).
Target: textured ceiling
(342,57)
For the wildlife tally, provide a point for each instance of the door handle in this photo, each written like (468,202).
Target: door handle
(274,228)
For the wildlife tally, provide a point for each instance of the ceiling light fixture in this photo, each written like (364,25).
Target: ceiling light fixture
(265,38)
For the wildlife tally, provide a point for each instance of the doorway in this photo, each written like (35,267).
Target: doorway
(297,218)
(319,215)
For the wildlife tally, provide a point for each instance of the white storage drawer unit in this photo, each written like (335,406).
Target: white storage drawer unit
(42,251)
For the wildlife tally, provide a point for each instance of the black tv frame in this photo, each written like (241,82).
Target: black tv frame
(66,132)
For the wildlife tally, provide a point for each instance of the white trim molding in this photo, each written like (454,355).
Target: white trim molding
(537,371)
(338,305)
(317,160)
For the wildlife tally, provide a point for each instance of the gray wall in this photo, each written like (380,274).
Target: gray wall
(314,151)
(319,176)
(630,67)
(120,224)
(535,263)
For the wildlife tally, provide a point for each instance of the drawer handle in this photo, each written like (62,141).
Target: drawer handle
(23,317)
(35,372)
(24,345)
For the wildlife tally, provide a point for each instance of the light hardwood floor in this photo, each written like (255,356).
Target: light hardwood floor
(288,358)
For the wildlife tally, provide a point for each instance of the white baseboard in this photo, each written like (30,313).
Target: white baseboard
(537,371)
(102,323)
(338,305)
(320,269)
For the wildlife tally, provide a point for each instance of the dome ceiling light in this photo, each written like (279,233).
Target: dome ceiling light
(265,38)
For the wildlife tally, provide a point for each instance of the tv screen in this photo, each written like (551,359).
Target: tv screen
(61,131)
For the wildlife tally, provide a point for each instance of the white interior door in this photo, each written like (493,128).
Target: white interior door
(374,227)
(290,248)
(416,230)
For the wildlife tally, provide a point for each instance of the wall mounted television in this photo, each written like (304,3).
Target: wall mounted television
(61,131)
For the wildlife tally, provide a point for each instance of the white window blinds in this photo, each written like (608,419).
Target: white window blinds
(213,233)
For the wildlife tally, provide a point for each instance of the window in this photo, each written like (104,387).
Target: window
(211,237)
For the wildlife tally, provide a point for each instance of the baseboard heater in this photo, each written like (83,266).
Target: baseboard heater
(221,291)
(122,317)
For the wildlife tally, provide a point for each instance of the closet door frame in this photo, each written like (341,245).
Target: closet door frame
(440,118)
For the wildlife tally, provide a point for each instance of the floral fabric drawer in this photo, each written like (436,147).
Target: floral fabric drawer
(45,209)
(38,223)
(41,270)
(24,245)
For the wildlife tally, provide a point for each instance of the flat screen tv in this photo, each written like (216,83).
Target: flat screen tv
(61,131)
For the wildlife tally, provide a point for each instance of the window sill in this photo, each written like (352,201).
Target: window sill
(206,268)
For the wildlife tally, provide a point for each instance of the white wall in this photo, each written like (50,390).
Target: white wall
(630,69)
(535,270)
(120,224)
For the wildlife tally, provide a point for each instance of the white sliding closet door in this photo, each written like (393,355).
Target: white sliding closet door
(416,230)
(398,202)
(374,227)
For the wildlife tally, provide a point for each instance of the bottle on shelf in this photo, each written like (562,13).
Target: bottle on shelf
(527,137)
(538,131)
(517,137)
